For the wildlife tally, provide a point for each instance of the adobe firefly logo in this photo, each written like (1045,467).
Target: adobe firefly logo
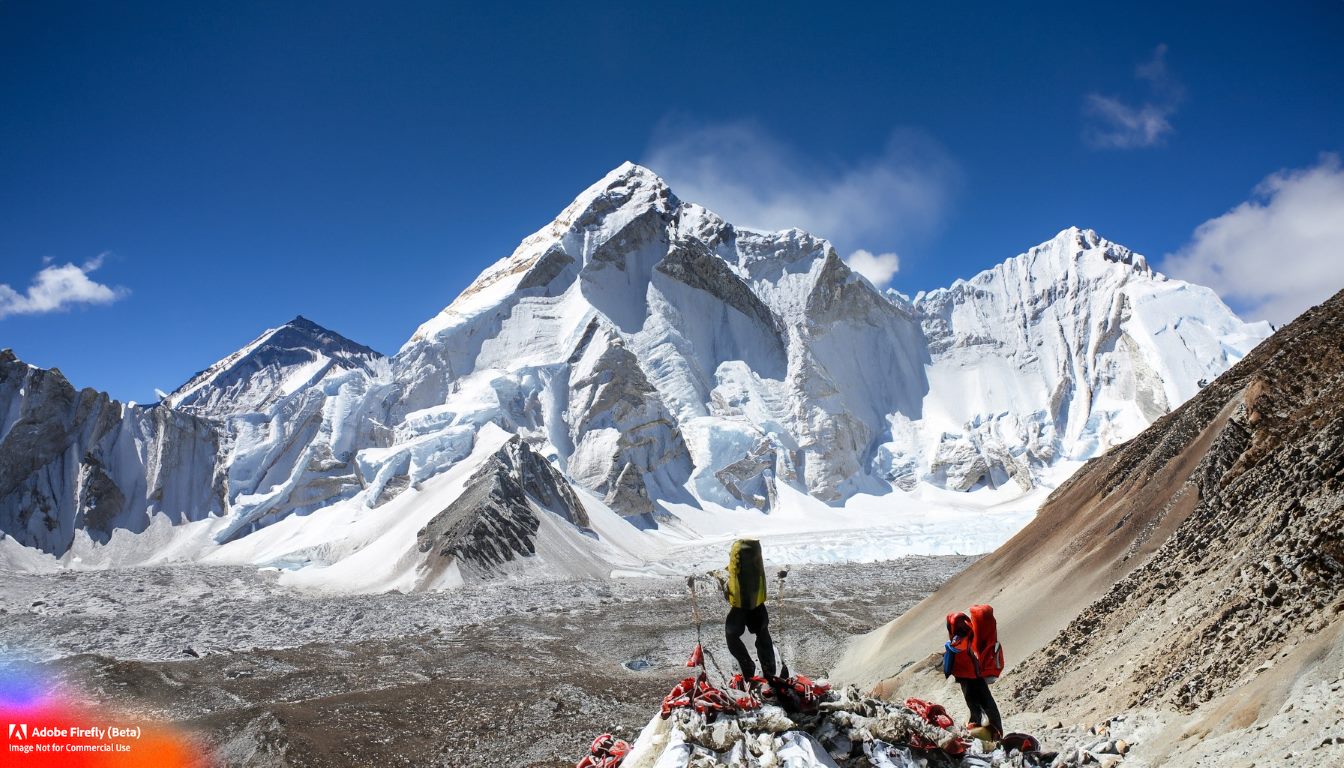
(18,731)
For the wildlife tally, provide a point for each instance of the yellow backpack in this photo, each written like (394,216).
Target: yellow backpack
(746,574)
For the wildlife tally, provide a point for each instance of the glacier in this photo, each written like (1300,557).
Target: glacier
(687,380)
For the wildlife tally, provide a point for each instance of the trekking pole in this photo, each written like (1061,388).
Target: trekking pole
(695,616)
(695,608)
(783,665)
(699,641)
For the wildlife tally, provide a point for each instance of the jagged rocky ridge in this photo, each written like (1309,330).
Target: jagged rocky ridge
(656,354)
(498,515)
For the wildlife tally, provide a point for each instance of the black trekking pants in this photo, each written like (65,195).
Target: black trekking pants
(981,702)
(758,621)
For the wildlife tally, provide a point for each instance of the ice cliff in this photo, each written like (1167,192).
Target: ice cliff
(76,460)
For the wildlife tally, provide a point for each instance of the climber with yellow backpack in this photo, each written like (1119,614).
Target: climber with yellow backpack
(744,588)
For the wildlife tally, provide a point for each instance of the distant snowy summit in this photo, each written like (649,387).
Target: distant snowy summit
(279,362)
(663,360)
(1063,352)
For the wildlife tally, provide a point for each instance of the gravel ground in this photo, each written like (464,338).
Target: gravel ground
(510,674)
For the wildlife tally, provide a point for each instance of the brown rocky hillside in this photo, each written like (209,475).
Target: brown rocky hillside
(1195,571)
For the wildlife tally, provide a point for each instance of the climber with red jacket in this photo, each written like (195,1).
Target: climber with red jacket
(975,662)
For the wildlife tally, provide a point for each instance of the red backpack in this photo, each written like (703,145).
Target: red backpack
(985,641)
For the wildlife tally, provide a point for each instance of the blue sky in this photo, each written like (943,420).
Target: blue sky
(174,178)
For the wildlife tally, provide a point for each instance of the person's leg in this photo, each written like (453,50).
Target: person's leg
(972,696)
(758,621)
(989,707)
(733,627)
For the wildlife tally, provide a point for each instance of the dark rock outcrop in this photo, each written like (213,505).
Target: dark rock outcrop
(691,262)
(627,446)
(493,521)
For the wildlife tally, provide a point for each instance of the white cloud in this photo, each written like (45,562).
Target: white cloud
(744,174)
(1278,253)
(879,268)
(1121,126)
(1118,125)
(57,288)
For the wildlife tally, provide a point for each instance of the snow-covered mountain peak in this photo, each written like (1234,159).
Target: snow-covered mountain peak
(279,362)
(1084,341)
(625,193)
(772,331)
(653,312)
(1074,256)
(668,363)
(1087,244)
(609,241)
(611,208)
